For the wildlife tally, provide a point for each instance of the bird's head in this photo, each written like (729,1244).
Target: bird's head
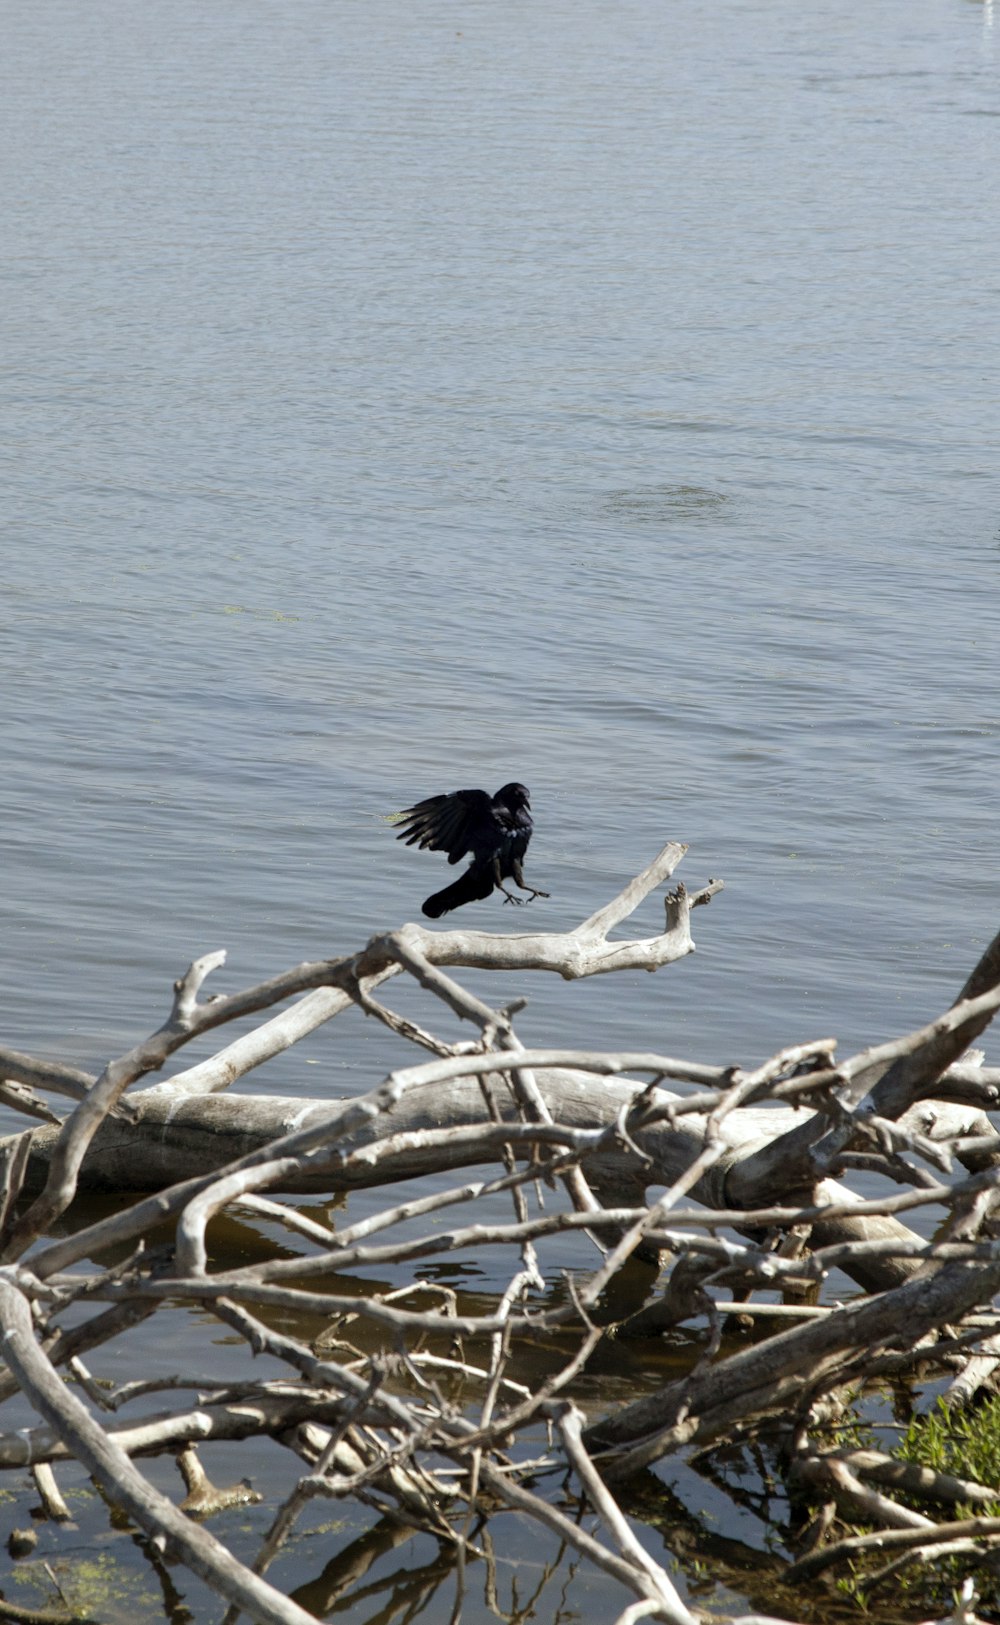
(513,796)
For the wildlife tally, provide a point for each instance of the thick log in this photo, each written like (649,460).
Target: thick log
(779,1375)
(187,1138)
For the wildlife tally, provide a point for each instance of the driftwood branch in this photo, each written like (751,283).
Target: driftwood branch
(418,1400)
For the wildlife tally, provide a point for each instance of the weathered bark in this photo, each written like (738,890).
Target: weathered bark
(111,1467)
(173,1141)
(778,1375)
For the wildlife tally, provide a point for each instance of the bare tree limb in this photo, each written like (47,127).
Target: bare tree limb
(124,1483)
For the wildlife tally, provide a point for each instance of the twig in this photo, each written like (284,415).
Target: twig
(605,1505)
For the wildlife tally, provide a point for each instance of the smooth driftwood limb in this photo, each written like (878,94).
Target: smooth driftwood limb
(185,1138)
(200,1137)
(888,1079)
(569,1421)
(89,1443)
(271,1038)
(79,1129)
(253,1416)
(583,952)
(51,1075)
(911,1073)
(775,1376)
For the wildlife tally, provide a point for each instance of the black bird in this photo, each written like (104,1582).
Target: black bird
(496,830)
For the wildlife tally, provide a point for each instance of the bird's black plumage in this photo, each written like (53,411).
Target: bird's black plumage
(494,829)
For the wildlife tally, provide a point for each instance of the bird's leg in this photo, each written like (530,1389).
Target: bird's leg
(498,883)
(519,880)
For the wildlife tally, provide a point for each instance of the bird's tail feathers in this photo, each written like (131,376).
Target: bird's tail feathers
(468,888)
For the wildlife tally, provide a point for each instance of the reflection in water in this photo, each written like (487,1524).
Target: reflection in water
(402,1593)
(693,1540)
(504,1587)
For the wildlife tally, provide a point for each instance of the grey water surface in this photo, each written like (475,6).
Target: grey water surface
(403,397)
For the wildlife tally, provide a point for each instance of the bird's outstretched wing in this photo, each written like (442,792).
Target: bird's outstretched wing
(464,821)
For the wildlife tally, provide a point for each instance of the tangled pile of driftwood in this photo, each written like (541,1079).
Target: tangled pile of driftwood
(755,1208)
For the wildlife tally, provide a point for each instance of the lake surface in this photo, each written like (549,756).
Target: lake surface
(398,398)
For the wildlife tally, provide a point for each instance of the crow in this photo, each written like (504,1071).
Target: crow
(496,830)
